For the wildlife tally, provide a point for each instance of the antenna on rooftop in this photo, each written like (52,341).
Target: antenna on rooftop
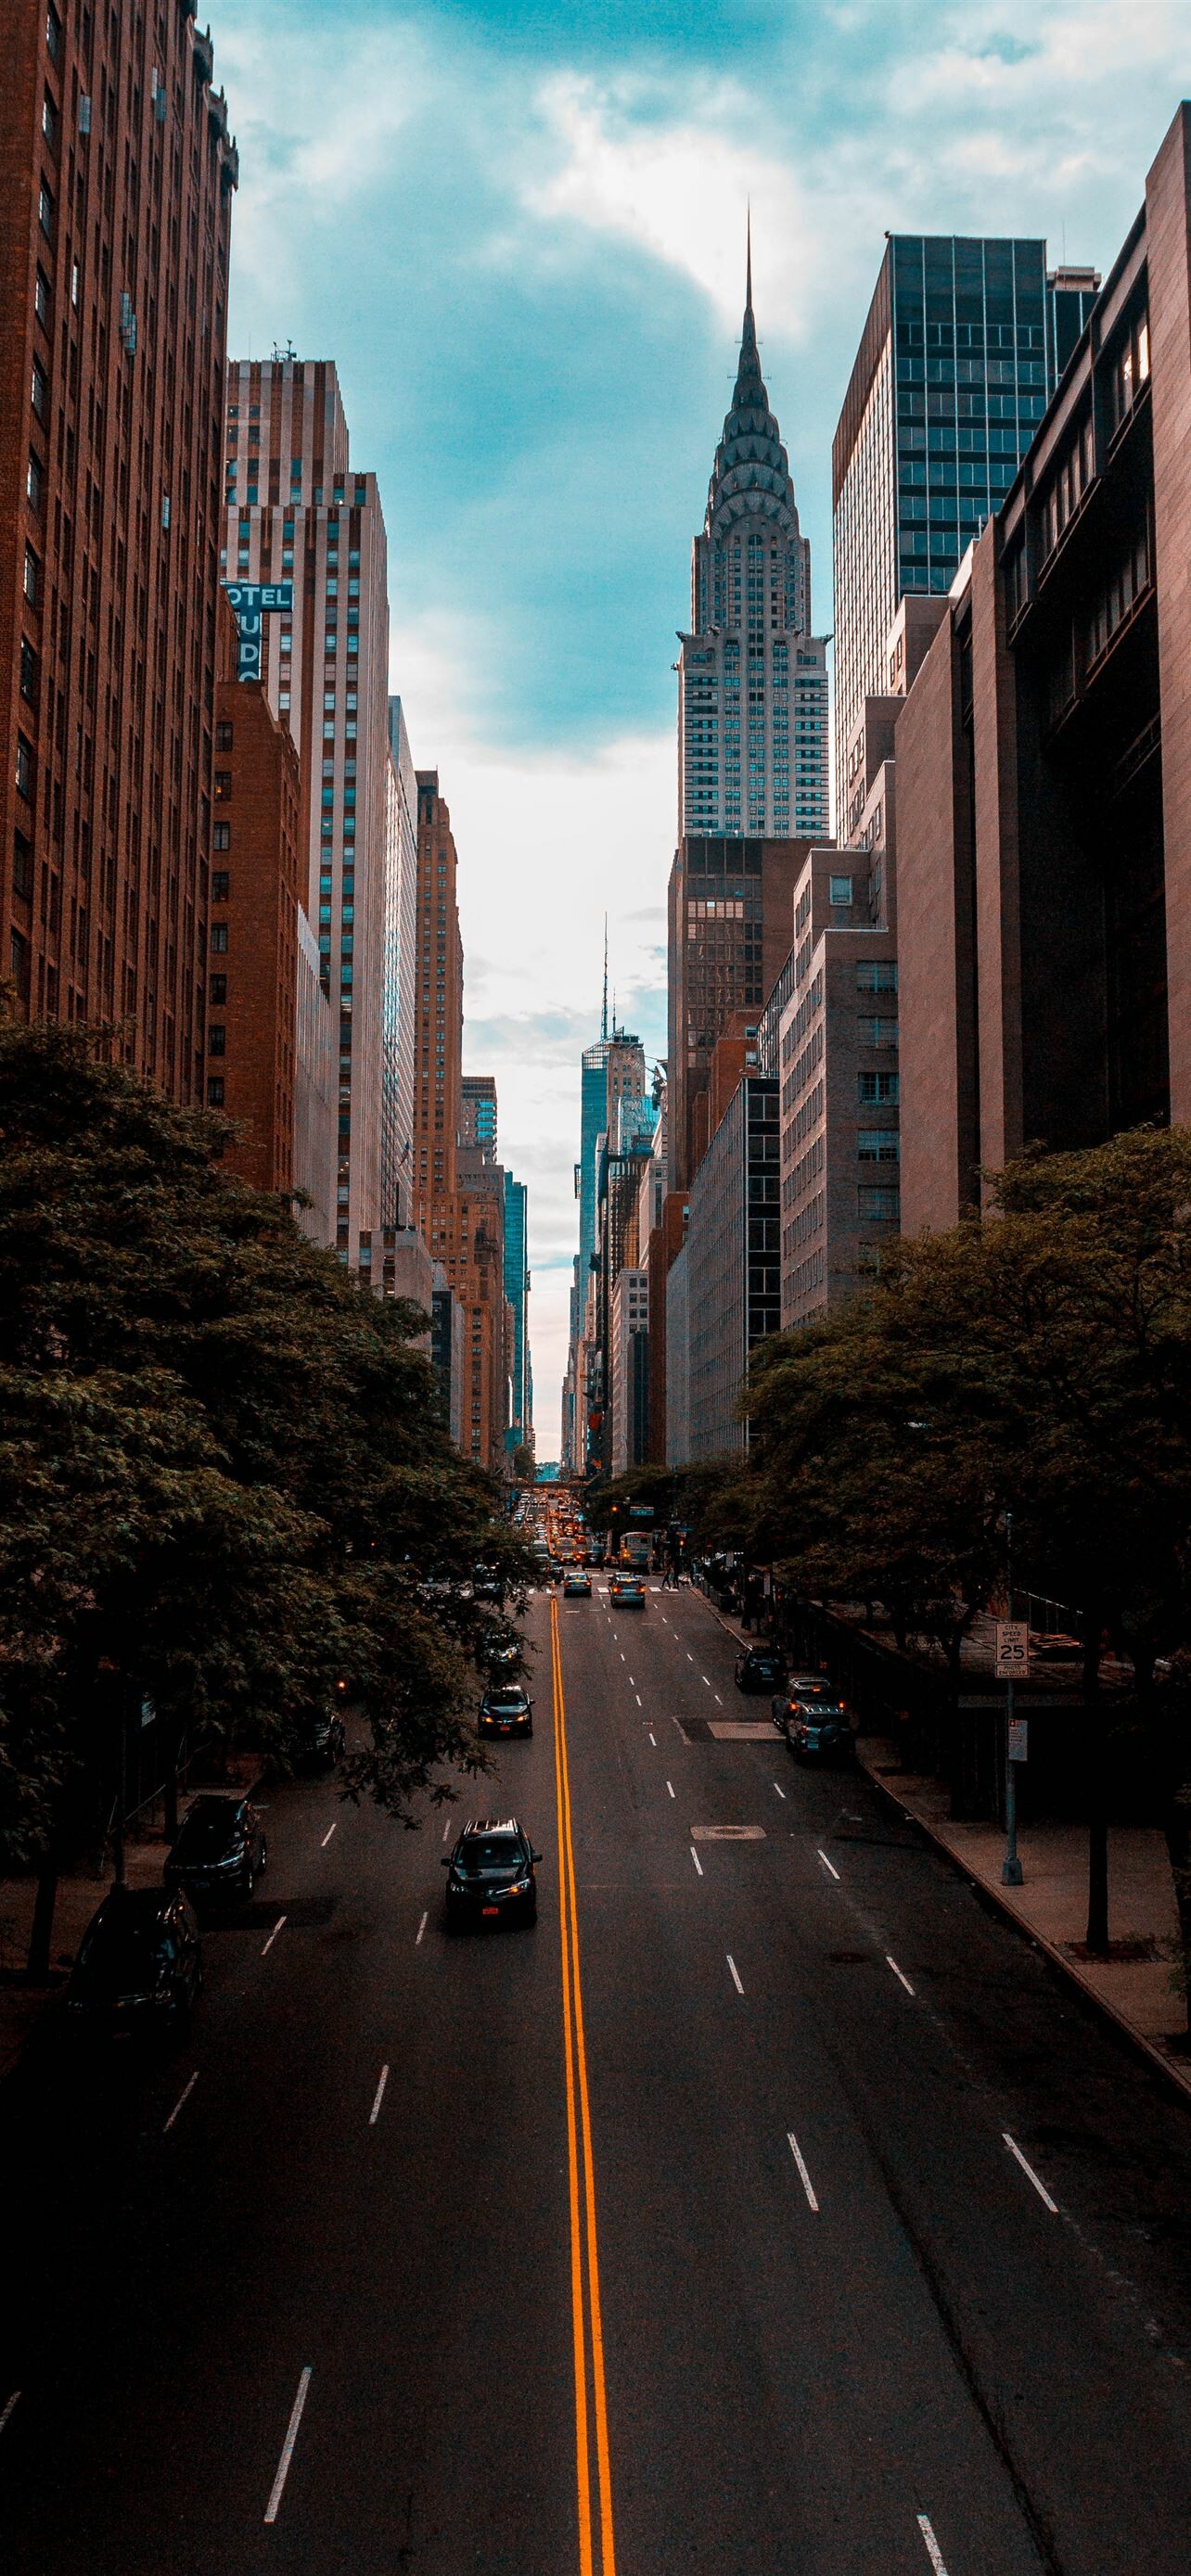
(282,354)
(604,1016)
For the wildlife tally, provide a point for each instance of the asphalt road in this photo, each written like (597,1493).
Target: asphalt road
(726,2145)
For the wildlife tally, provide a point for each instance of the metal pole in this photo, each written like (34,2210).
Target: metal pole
(1011,1868)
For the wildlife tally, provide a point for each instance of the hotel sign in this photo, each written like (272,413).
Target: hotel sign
(252,601)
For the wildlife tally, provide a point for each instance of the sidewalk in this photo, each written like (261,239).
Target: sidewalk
(80,1893)
(1133,1987)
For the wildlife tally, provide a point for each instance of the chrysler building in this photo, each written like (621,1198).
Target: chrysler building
(752,684)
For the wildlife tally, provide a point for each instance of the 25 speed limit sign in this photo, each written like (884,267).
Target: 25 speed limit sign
(1013,1648)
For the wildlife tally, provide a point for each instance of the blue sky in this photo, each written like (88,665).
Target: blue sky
(519,231)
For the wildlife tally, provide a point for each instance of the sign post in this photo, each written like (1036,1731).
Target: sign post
(1013,1662)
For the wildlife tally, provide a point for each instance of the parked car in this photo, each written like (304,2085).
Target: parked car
(219,1851)
(323,1742)
(506,1710)
(819,1730)
(801,1686)
(492,1873)
(576,1584)
(139,1967)
(501,1657)
(759,1668)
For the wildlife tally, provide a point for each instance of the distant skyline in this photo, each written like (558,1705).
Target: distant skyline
(519,231)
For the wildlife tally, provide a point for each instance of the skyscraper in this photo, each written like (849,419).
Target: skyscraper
(401,973)
(731,927)
(964,343)
(116,179)
(753,741)
(438,1061)
(297,512)
(517,1294)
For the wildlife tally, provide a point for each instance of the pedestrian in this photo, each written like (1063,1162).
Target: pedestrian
(668,1582)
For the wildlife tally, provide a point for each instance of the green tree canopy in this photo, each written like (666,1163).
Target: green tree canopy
(224,1474)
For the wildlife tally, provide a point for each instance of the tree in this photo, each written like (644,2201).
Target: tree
(224,1481)
(1040,1361)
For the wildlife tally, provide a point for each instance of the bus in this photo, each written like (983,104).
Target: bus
(636,1549)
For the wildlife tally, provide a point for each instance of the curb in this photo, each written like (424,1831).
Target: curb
(1176,2082)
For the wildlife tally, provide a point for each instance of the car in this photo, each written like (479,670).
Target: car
(576,1584)
(506,1710)
(139,1967)
(627,1592)
(759,1668)
(492,1873)
(218,1852)
(819,1730)
(502,1659)
(323,1742)
(800,1686)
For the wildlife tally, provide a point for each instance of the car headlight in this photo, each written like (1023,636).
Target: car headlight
(520,1887)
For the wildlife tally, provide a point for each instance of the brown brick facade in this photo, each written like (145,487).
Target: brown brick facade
(116,173)
(252,964)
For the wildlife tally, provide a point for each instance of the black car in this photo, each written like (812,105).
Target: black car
(819,1730)
(491,1873)
(759,1668)
(506,1710)
(576,1584)
(219,1851)
(796,1688)
(139,1967)
(323,1742)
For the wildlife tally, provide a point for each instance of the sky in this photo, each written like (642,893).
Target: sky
(519,232)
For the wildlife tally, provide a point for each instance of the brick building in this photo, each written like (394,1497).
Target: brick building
(838,1089)
(1044,763)
(730,926)
(116,177)
(438,1061)
(252,979)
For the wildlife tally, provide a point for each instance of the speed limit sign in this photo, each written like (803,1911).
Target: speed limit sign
(1013,1649)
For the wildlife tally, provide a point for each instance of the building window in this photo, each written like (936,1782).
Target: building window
(32,577)
(22,867)
(41,298)
(40,390)
(878,1145)
(841,890)
(33,484)
(28,671)
(45,210)
(18,963)
(220,885)
(875,1205)
(53,33)
(223,735)
(217,1038)
(215,1091)
(878,1087)
(219,939)
(24,769)
(217,989)
(223,785)
(877,1032)
(222,837)
(879,976)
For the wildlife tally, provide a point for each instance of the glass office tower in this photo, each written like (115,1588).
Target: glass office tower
(964,344)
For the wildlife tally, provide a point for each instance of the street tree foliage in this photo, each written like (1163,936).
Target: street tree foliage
(1036,1364)
(225,1483)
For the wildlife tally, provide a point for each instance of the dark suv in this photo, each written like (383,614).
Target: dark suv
(759,1668)
(139,1967)
(506,1709)
(491,1873)
(219,1851)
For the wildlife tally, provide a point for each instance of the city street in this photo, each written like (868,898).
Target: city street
(865,2247)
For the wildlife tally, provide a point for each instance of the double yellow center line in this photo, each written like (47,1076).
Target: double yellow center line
(591,2405)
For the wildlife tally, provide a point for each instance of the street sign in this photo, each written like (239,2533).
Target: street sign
(253,600)
(640,1511)
(1013,1649)
(1019,1739)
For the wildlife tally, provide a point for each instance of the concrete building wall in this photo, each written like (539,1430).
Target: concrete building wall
(839,1092)
(297,511)
(630,1323)
(315,1104)
(678,1347)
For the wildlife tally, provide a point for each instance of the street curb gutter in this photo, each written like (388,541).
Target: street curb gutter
(1176,2082)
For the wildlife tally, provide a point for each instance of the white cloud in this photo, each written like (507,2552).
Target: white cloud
(547,842)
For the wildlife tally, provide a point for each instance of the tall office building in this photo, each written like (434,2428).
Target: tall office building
(477,1111)
(753,731)
(731,926)
(964,343)
(116,177)
(401,973)
(297,512)
(438,1061)
(517,1294)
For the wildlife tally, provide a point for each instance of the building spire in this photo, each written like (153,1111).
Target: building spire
(604,1016)
(748,259)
